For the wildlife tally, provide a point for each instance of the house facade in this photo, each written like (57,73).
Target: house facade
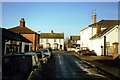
(75,40)
(27,33)
(53,40)
(14,43)
(100,36)
(103,42)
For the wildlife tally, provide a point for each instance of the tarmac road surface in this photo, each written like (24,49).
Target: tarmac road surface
(65,66)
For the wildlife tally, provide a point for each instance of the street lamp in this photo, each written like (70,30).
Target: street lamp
(39,38)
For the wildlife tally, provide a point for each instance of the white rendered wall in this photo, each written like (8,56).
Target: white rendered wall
(97,46)
(51,41)
(85,36)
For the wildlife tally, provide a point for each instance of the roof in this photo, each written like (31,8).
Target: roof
(22,30)
(106,23)
(103,24)
(52,35)
(103,32)
(75,37)
(6,34)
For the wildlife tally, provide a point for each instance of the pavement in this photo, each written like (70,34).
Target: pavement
(107,65)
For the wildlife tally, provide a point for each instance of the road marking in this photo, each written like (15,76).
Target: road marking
(59,58)
(89,71)
(60,62)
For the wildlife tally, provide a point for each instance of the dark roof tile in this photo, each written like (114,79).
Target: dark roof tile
(6,34)
(52,35)
(22,30)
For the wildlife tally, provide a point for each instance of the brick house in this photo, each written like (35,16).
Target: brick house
(27,33)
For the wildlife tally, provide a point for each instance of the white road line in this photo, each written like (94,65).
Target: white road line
(89,71)
(60,62)
(59,59)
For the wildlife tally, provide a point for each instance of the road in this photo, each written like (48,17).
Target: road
(65,66)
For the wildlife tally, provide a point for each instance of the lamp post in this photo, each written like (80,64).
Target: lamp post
(39,38)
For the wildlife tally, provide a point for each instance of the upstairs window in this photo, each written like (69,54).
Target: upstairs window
(54,40)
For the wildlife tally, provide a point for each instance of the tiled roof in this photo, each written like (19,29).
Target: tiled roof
(13,36)
(75,37)
(22,30)
(52,35)
(103,32)
(104,24)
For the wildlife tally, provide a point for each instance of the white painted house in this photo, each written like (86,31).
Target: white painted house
(53,40)
(103,42)
(100,36)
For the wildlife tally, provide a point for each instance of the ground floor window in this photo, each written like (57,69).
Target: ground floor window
(55,46)
(12,48)
(26,48)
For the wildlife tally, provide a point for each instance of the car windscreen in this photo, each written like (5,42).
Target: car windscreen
(45,50)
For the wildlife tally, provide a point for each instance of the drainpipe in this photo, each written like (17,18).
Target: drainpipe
(35,43)
(104,45)
(20,46)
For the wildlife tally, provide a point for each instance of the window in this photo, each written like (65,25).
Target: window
(26,49)
(54,40)
(59,40)
(46,40)
(41,40)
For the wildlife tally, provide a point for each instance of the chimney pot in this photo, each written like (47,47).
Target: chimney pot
(22,22)
(94,18)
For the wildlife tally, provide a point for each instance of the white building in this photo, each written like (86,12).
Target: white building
(99,36)
(102,43)
(53,40)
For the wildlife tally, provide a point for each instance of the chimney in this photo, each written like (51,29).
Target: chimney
(98,31)
(94,18)
(52,31)
(22,22)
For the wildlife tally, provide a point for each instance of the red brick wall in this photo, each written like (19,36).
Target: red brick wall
(31,37)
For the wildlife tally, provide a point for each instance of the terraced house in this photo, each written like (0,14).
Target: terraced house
(53,40)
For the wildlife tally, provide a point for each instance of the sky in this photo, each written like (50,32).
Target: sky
(67,17)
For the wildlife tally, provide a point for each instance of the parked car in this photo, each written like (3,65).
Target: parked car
(46,52)
(77,49)
(51,51)
(20,66)
(41,56)
(86,52)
